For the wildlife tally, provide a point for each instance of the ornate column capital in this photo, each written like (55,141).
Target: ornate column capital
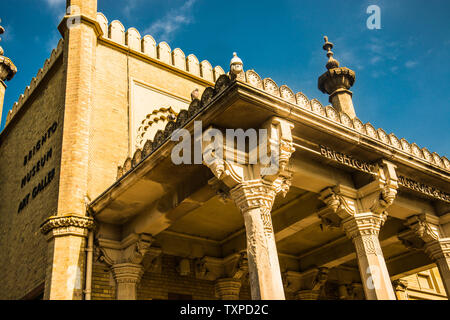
(253,194)
(228,288)
(276,147)
(341,211)
(127,272)
(363,224)
(57,226)
(438,249)
(127,277)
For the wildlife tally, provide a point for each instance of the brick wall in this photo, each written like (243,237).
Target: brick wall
(158,285)
(23,249)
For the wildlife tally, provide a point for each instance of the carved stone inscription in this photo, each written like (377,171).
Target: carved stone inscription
(347,160)
(423,188)
(35,166)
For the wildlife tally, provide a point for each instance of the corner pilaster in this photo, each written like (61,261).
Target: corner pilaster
(67,236)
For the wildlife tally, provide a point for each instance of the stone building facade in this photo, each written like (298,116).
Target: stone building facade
(93,206)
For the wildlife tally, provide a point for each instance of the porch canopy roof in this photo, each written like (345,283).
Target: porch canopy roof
(155,196)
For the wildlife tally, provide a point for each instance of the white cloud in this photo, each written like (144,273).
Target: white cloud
(375,59)
(411,64)
(166,27)
(55,3)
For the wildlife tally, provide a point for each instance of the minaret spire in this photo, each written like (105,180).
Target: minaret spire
(332,63)
(7,72)
(336,82)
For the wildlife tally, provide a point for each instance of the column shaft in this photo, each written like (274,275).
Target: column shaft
(264,268)
(372,266)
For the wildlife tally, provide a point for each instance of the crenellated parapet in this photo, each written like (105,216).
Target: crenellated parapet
(56,53)
(132,39)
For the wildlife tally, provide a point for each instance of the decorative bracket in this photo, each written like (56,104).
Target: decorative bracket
(311,281)
(234,266)
(424,234)
(366,207)
(132,249)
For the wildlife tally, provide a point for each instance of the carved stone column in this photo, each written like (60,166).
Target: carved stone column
(255,200)
(363,229)
(307,285)
(125,259)
(127,276)
(400,287)
(424,235)
(361,216)
(66,235)
(253,188)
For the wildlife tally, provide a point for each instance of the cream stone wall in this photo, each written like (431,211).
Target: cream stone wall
(146,99)
(23,249)
(128,87)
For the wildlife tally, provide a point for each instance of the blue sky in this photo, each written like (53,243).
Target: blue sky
(402,70)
